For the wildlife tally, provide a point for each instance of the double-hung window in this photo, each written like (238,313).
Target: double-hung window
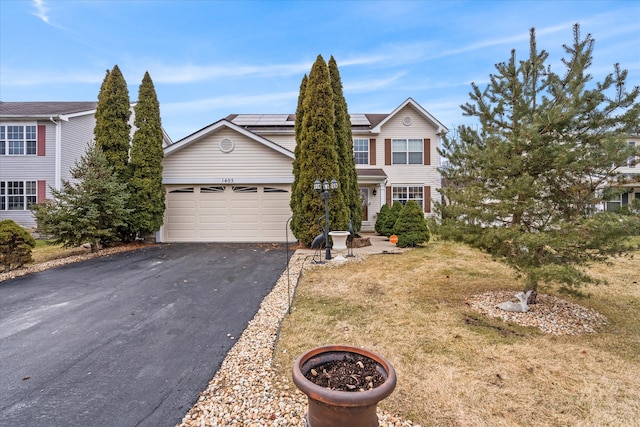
(407,151)
(404,193)
(17,195)
(18,140)
(361,151)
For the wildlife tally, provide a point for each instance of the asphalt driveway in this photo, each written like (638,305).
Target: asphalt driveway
(128,339)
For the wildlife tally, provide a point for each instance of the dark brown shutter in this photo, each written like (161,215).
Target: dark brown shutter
(389,196)
(372,151)
(387,151)
(427,151)
(427,199)
(41,191)
(42,140)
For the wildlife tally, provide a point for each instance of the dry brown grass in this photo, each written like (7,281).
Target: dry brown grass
(456,367)
(44,251)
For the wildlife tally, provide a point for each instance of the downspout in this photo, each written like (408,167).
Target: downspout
(58,156)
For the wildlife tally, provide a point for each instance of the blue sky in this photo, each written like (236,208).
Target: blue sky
(209,59)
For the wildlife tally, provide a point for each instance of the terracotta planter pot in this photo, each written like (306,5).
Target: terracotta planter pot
(332,408)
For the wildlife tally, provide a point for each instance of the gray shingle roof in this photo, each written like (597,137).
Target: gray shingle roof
(38,109)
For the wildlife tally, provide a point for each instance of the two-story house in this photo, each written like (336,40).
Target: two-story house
(231,180)
(39,144)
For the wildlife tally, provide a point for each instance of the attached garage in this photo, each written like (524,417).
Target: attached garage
(226,184)
(226,213)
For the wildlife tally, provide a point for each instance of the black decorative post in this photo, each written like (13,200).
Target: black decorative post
(323,189)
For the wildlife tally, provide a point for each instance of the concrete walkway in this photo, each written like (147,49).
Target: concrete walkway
(379,245)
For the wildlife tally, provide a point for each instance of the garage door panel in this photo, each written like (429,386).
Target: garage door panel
(214,219)
(246,214)
(213,235)
(181,235)
(181,204)
(182,220)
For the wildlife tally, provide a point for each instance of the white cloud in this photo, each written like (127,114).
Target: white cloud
(41,10)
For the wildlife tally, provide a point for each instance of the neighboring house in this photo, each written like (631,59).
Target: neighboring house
(231,181)
(40,143)
(628,189)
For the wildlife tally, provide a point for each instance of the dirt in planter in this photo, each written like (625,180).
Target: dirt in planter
(353,373)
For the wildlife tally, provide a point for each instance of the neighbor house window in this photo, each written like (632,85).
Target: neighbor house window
(361,151)
(407,151)
(403,194)
(617,201)
(17,195)
(18,140)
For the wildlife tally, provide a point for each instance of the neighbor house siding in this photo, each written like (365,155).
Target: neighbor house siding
(76,134)
(30,167)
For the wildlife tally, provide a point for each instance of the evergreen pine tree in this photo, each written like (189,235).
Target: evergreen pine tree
(346,158)
(411,227)
(389,220)
(112,131)
(89,210)
(147,192)
(317,159)
(15,245)
(523,186)
(380,220)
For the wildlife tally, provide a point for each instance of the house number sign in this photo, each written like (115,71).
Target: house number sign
(227,180)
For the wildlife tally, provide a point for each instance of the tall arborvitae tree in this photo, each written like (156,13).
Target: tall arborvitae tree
(296,195)
(90,209)
(317,159)
(523,186)
(145,185)
(344,142)
(112,131)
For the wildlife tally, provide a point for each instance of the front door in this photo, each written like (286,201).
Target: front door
(364,197)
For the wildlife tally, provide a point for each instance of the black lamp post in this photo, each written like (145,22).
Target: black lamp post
(323,189)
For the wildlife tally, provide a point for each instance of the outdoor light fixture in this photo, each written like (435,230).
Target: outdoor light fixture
(375,192)
(323,188)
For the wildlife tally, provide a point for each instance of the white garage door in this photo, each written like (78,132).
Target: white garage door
(227,213)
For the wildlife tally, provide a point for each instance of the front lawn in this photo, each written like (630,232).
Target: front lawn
(458,367)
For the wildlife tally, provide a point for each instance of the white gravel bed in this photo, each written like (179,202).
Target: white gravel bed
(246,391)
(550,314)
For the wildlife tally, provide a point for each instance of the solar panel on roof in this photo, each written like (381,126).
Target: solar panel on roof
(246,119)
(273,119)
(359,120)
(261,119)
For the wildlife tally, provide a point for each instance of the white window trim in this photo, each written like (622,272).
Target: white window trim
(407,152)
(4,139)
(29,191)
(365,151)
(406,187)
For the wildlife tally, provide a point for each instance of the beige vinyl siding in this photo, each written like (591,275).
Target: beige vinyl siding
(203,161)
(287,141)
(422,175)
